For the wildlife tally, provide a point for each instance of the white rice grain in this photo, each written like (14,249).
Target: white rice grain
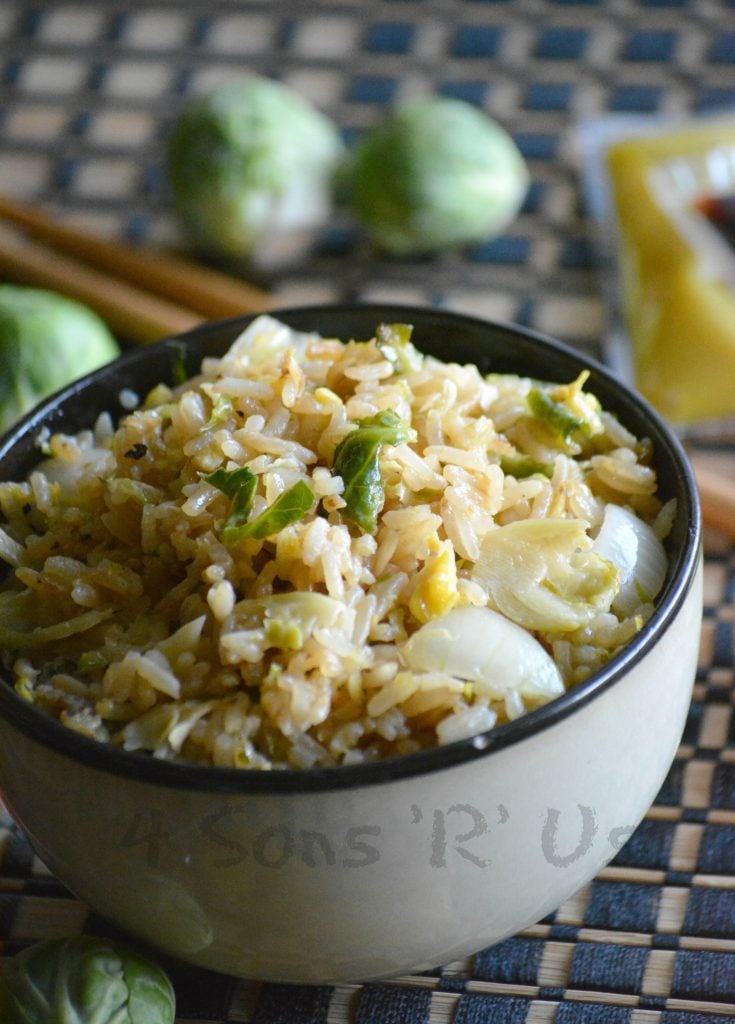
(10,550)
(241,387)
(221,599)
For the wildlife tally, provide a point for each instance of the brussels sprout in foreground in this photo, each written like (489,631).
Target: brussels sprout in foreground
(251,167)
(84,980)
(437,174)
(46,341)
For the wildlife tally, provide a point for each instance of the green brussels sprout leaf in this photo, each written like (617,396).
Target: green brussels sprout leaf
(288,508)
(357,461)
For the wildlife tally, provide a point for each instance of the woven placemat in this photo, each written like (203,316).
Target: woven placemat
(87,97)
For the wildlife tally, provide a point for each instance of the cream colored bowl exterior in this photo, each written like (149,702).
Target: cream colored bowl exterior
(373,881)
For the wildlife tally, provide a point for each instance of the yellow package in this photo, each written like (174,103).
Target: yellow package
(667,213)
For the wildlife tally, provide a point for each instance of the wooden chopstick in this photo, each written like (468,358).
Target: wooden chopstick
(133,313)
(146,293)
(717,495)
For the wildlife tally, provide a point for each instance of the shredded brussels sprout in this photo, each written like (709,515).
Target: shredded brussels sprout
(356,460)
(545,575)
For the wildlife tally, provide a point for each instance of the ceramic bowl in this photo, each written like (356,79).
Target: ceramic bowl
(363,872)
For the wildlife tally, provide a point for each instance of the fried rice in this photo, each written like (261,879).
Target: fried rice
(321,552)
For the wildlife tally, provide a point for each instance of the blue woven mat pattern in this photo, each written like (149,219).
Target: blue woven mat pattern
(89,93)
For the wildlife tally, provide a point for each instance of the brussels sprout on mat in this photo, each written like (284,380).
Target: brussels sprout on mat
(251,168)
(436,174)
(46,341)
(84,980)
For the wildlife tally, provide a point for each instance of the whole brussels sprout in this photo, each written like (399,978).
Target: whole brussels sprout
(84,980)
(46,341)
(251,169)
(436,174)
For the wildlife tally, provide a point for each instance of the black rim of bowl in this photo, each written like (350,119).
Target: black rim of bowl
(365,316)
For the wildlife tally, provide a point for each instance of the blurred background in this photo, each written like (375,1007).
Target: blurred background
(90,92)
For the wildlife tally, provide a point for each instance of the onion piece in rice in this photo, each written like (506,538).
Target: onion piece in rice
(483,647)
(632,546)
